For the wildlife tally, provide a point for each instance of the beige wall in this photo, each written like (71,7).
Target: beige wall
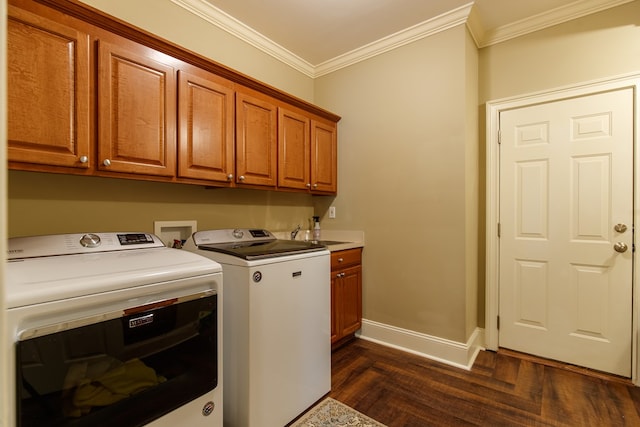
(472,174)
(594,47)
(403,179)
(50,203)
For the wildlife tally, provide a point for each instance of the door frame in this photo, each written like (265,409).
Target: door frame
(492,246)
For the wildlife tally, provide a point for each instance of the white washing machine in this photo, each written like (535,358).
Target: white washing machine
(277,324)
(113,329)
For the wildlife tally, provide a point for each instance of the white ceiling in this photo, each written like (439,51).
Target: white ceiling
(319,36)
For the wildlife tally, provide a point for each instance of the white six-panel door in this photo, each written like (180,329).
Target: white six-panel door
(566,197)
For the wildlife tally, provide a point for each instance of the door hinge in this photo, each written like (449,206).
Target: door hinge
(498,229)
(498,322)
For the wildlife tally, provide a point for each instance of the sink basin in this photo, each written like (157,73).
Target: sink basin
(327,242)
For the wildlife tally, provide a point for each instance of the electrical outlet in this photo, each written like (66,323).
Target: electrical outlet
(332,212)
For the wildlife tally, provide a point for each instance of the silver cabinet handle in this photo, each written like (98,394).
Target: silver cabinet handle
(106,162)
(315,185)
(620,247)
(84,159)
(230,176)
(340,259)
(241,177)
(308,185)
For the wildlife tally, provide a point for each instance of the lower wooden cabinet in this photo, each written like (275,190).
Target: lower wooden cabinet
(346,294)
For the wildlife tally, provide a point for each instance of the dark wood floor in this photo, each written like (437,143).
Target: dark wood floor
(502,389)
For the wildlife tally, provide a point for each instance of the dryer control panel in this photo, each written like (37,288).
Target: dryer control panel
(78,243)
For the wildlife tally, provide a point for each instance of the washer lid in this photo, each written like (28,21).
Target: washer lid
(249,244)
(262,250)
(49,278)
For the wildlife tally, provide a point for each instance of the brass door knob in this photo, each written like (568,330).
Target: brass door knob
(620,247)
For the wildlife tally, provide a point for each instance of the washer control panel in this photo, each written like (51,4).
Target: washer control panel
(236,235)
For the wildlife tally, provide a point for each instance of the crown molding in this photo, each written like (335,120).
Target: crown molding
(228,23)
(475,26)
(424,29)
(465,14)
(540,21)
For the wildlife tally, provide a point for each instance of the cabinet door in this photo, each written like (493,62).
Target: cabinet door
(256,139)
(336,308)
(351,295)
(137,111)
(294,150)
(47,92)
(324,157)
(205,126)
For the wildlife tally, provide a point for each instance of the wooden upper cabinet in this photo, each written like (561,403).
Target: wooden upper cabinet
(205,126)
(294,150)
(324,156)
(307,152)
(137,110)
(91,95)
(256,138)
(48,92)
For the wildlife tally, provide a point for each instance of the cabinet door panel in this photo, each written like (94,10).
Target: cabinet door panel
(324,163)
(206,119)
(48,92)
(293,150)
(336,309)
(137,106)
(351,300)
(256,140)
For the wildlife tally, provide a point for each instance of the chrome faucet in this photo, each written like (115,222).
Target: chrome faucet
(294,233)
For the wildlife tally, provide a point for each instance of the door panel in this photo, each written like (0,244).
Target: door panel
(137,111)
(48,98)
(293,150)
(256,139)
(324,149)
(566,181)
(206,126)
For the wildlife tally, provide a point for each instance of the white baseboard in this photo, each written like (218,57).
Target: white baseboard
(461,355)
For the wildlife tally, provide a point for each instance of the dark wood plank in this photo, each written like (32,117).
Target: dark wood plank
(502,389)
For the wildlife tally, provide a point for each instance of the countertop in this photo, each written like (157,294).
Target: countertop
(337,240)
